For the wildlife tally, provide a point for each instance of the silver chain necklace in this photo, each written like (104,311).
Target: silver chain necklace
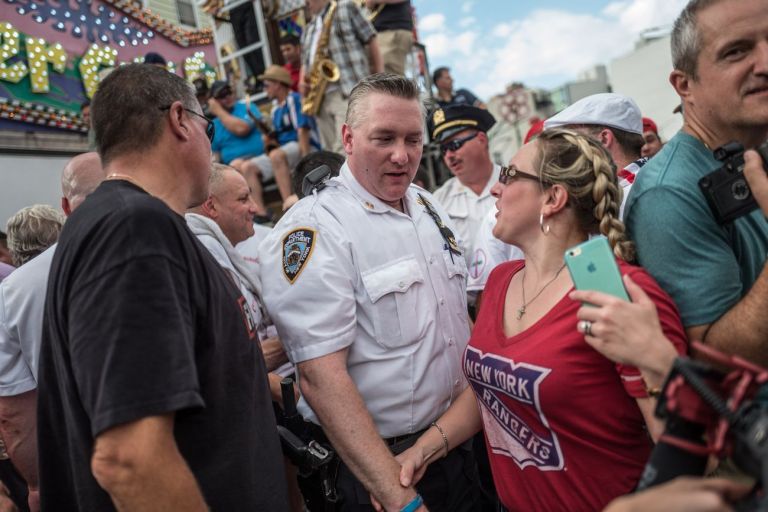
(521,309)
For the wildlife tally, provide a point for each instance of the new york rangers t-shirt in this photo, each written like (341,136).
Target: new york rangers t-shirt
(561,421)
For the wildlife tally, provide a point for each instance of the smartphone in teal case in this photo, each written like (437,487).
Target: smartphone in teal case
(592,266)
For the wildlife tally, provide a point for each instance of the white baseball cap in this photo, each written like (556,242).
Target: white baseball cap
(604,109)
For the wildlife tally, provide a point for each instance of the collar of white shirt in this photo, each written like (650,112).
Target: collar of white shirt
(459,189)
(368,200)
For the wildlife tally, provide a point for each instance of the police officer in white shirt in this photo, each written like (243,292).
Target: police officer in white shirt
(461,131)
(366,285)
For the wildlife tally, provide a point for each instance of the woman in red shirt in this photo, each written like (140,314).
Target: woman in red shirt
(565,427)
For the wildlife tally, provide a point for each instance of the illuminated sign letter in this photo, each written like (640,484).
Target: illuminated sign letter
(39,55)
(193,66)
(94,58)
(10,38)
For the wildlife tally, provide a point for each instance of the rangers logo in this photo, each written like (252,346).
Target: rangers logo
(496,380)
(297,248)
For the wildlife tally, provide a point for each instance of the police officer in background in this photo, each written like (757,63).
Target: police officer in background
(462,132)
(366,285)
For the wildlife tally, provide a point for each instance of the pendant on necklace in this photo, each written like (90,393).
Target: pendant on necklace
(520,312)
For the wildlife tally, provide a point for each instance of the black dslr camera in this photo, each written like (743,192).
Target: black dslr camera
(726,190)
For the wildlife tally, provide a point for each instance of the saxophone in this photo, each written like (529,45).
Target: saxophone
(323,70)
(370,13)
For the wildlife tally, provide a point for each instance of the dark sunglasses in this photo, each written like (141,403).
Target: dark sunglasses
(509,174)
(456,144)
(210,128)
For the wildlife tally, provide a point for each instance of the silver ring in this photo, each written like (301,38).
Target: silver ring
(586,327)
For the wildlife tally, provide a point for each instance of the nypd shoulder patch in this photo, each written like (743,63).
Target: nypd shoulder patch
(297,248)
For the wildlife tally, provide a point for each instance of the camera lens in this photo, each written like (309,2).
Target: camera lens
(740,190)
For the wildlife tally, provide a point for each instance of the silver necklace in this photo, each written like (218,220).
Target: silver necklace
(521,309)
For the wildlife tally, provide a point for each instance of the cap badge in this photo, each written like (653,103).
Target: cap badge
(438,117)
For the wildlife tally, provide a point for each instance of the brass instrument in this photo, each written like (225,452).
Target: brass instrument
(269,134)
(371,13)
(323,70)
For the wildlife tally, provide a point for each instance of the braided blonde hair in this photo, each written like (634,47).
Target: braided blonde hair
(585,169)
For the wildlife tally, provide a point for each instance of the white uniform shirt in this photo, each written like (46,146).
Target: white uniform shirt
(467,209)
(342,269)
(489,252)
(22,302)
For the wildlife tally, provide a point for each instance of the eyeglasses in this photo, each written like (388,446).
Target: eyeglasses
(210,128)
(509,174)
(456,144)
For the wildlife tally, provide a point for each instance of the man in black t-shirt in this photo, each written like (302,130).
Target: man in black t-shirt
(446,96)
(393,22)
(152,386)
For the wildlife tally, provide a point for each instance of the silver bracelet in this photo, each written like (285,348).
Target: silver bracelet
(445,438)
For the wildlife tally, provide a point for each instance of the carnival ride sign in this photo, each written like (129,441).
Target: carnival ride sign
(53,52)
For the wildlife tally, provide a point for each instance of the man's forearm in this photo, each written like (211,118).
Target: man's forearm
(274,353)
(18,422)
(171,487)
(140,467)
(333,396)
(234,124)
(743,330)
(374,54)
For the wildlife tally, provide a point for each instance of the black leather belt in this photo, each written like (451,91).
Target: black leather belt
(391,441)
(319,435)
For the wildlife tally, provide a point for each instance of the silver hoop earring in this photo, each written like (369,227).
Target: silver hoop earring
(544,229)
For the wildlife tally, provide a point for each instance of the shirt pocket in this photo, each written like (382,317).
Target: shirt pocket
(394,291)
(455,265)
(458,209)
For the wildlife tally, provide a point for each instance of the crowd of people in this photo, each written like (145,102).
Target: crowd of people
(152,345)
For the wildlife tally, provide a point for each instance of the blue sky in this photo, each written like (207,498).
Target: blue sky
(490,43)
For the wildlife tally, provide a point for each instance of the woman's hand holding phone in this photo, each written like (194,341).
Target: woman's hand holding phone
(627,332)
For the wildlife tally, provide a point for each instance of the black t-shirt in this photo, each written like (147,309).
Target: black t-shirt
(460,97)
(142,321)
(394,17)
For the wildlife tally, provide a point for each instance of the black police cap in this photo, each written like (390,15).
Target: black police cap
(452,119)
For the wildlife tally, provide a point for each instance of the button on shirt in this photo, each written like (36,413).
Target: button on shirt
(467,209)
(382,284)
